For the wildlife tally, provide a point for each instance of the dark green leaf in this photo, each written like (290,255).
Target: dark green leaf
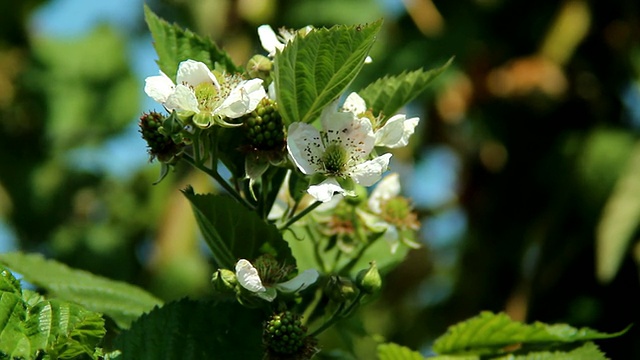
(388,94)
(233,232)
(174,45)
(120,301)
(392,351)
(488,333)
(194,330)
(313,70)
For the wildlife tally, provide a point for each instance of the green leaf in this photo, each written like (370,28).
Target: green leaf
(388,94)
(64,330)
(619,220)
(13,340)
(173,45)
(588,350)
(313,70)
(120,301)
(489,333)
(392,351)
(233,232)
(194,330)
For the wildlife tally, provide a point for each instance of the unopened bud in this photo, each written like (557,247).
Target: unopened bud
(360,195)
(368,280)
(259,67)
(340,289)
(224,282)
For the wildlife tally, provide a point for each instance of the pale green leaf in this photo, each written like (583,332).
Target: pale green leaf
(588,351)
(189,329)
(388,94)
(173,45)
(233,232)
(13,340)
(392,351)
(619,220)
(120,301)
(488,333)
(314,70)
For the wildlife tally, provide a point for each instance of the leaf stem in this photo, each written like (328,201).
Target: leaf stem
(300,215)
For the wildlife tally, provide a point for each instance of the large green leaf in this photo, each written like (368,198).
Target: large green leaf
(489,333)
(313,70)
(194,330)
(392,351)
(13,340)
(588,350)
(173,45)
(234,232)
(388,94)
(120,301)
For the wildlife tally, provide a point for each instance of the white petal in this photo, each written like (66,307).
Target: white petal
(269,294)
(324,191)
(387,188)
(354,134)
(392,237)
(182,99)
(269,40)
(248,276)
(368,60)
(300,282)
(243,99)
(369,172)
(191,72)
(396,132)
(159,88)
(272,91)
(373,222)
(305,147)
(355,104)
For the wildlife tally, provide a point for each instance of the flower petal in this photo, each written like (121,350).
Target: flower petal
(392,237)
(396,132)
(325,190)
(387,188)
(355,104)
(159,88)
(353,133)
(269,294)
(243,99)
(269,40)
(300,282)
(248,276)
(182,99)
(191,72)
(305,147)
(369,172)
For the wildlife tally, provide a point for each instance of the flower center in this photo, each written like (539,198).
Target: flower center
(335,159)
(397,211)
(207,96)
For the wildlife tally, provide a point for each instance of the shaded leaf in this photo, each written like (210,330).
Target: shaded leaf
(313,70)
(120,301)
(488,333)
(174,44)
(587,351)
(388,94)
(194,330)
(234,232)
(392,351)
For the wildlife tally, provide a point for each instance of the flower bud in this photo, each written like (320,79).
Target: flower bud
(224,282)
(368,280)
(340,289)
(259,66)
(360,195)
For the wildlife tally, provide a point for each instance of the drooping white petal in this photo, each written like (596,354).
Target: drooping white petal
(269,40)
(353,133)
(159,88)
(243,99)
(387,188)
(300,282)
(191,72)
(355,104)
(248,277)
(182,99)
(305,147)
(325,190)
(373,222)
(396,132)
(369,172)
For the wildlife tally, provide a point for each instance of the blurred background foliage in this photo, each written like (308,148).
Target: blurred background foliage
(525,168)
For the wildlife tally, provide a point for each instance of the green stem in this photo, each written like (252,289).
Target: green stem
(308,312)
(214,174)
(355,259)
(338,315)
(300,215)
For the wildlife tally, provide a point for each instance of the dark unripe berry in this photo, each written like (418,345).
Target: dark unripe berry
(284,333)
(264,128)
(159,145)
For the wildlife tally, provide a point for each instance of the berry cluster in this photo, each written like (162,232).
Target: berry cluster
(264,127)
(284,333)
(160,145)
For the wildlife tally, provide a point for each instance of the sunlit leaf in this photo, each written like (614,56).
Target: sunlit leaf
(313,70)
(194,330)
(388,94)
(120,301)
(174,44)
(489,333)
(392,351)
(234,232)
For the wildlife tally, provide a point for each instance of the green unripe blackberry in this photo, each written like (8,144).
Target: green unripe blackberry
(264,128)
(284,333)
(159,145)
